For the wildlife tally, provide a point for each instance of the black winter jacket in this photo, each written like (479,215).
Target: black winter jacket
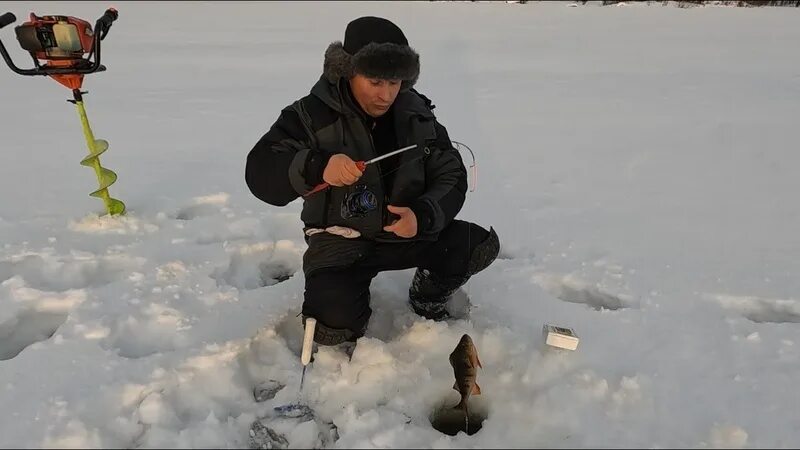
(288,161)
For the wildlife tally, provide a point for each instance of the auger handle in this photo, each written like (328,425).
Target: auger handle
(109,17)
(104,22)
(7,19)
(101,27)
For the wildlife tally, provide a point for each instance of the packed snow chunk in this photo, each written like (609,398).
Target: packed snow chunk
(727,436)
(106,224)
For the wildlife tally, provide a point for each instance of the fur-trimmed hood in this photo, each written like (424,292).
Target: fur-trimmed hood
(386,60)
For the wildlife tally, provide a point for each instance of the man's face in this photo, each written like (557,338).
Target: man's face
(375,95)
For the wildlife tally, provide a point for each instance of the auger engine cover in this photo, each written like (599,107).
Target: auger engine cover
(56,37)
(62,47)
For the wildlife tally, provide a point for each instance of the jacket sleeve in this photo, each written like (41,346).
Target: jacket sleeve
(446,186)
(282,166)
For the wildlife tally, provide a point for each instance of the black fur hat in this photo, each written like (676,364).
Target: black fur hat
(373,47)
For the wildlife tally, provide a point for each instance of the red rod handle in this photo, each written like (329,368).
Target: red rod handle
(322,186)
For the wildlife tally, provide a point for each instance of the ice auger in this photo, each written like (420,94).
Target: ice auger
(57,45)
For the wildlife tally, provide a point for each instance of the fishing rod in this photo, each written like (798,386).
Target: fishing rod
(361,166)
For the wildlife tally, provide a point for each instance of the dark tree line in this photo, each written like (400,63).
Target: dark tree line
(742,3)
(689,3)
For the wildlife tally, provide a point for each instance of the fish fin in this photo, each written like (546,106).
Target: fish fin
(476,390)
(474,360)
(455,385)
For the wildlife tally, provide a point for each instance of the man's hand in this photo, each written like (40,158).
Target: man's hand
(341,171)
(406,225)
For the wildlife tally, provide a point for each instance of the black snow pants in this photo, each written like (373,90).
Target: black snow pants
(338,298)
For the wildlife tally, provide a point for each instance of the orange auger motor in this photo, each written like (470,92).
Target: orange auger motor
(57,45)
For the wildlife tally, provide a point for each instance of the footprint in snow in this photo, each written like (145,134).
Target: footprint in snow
(259,265)
(204,206)
(27,328)
(571,290)
(761,310)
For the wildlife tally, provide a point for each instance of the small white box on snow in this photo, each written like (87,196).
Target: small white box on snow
(560,337)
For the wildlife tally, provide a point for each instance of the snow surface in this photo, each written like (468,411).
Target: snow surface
(639,164)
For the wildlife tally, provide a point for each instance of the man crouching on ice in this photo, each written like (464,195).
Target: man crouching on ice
(396,214)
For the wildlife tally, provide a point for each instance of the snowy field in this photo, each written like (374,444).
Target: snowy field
(638,162)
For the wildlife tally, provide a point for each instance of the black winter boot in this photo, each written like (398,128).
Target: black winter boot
(324,335)
(340,338)
(430,292)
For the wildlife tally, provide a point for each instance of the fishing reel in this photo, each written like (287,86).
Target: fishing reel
(58,44)
(358,203)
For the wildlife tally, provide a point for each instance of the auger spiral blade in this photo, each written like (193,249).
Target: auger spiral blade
(105,177)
